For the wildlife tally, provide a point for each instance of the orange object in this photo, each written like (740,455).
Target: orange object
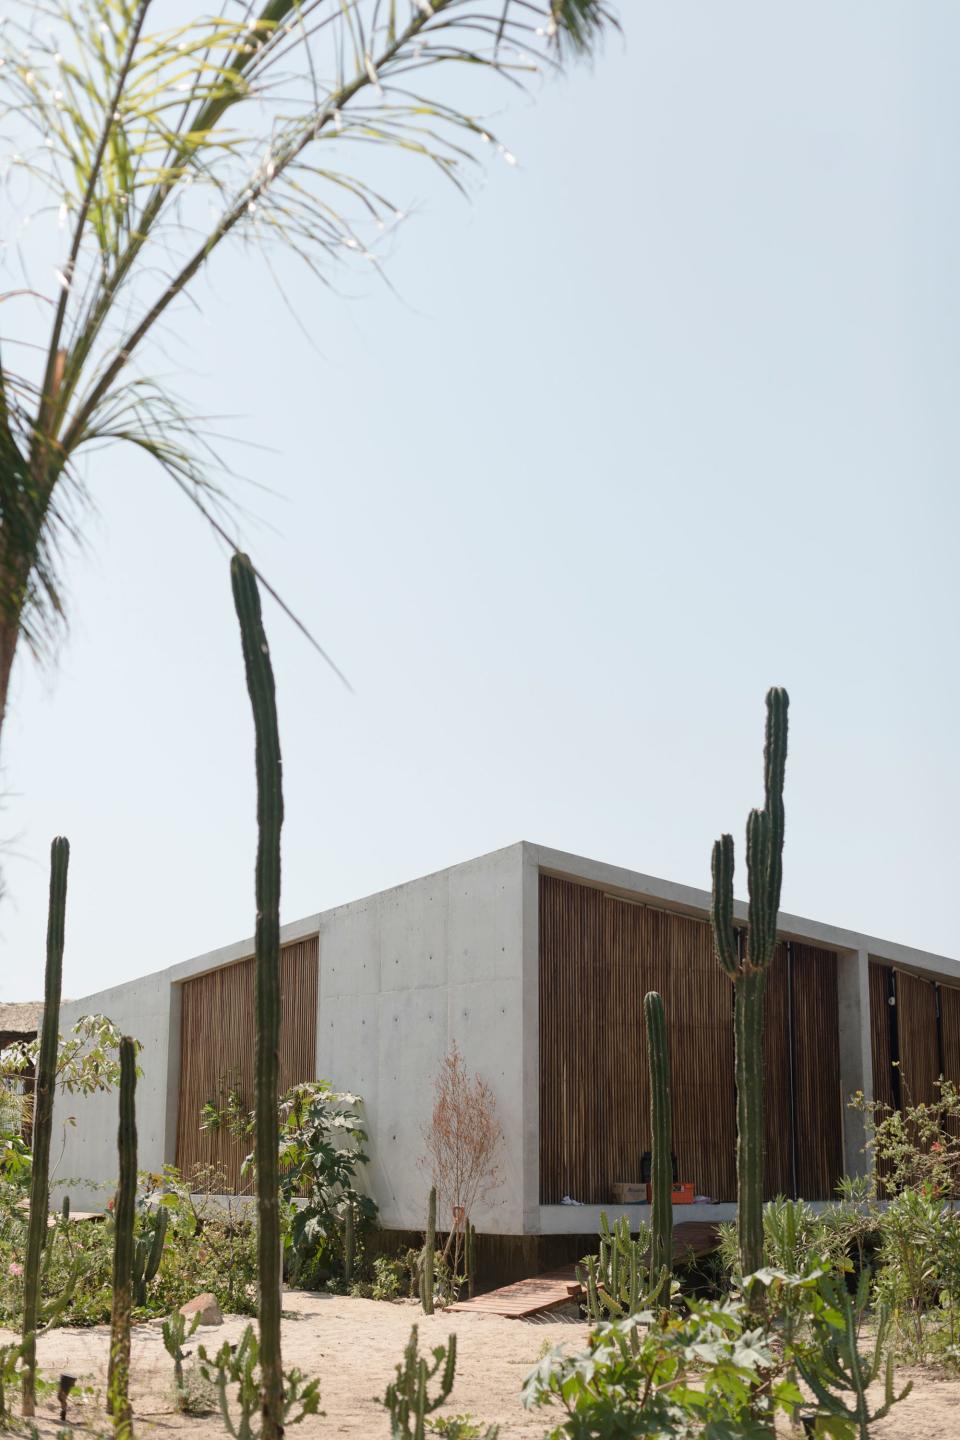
(681,1194)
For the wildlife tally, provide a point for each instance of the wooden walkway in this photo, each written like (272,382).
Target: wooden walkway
(525,1297)
(691,1239)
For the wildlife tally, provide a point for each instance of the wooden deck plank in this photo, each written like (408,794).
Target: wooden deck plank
(525,1297)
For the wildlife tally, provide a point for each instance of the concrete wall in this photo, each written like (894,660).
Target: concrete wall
(403,976)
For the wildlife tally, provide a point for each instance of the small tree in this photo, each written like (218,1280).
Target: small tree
(463,1141)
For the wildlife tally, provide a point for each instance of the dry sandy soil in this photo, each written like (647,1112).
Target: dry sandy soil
(353,1345)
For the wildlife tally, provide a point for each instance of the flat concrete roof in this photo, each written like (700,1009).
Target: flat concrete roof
(616,880)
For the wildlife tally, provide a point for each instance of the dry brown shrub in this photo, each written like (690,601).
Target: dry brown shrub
(463,1140)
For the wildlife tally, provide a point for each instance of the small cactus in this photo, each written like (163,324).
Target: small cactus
(147,1254)
(661,1163)
(470,1259)
(349,1243)
(43,1118)
(407,1397)
(429,1255)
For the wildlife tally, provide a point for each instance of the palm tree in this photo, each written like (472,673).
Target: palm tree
(149,148)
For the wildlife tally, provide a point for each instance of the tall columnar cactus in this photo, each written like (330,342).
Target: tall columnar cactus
(661,1162)
(747,965)
(260,685)
(43,1116)
(124,1216)
(429,1255)
(470,1258)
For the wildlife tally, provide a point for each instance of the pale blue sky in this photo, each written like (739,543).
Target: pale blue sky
(667,414)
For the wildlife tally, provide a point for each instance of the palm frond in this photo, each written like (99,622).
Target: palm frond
(147,147)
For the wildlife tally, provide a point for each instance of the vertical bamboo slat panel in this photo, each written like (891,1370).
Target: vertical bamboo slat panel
(626,1084)
(699,1006)
(880,1035)
(217,1053)
(818,1102)
(917,1033)
(778,1116)
(572,1015)
(950,1031)
(599,956)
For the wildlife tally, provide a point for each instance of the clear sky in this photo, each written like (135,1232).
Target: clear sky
(666,414)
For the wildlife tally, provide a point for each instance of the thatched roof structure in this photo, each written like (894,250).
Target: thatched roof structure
(20,1018)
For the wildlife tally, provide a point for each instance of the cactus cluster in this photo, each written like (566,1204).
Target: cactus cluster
(147,1254)
(259,672)
(407,1397)
(619,1280)
(428,1256)
(661,1161)
(747,964)
(124,1216)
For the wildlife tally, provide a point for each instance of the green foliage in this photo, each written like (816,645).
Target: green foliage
(918,1274)
(747,964)
(916,1147)
(322,1148)
(407,1397)
(618,1280)
(461,1427)
(239,1366)
(706,1374)
(836,1371)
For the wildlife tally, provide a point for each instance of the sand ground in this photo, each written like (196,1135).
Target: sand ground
(353,1346)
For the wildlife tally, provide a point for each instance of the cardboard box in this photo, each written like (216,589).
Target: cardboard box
(628,1193)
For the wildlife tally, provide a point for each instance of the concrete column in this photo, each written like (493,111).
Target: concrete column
(856,1064)
(172,1110)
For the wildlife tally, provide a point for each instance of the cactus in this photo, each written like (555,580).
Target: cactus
(260,686)
(147,1254)
(407,1399)
(470,1259)
(240,1365)
(124,1214)
(175,1332)
(661,1163)
(349,1243)
(618,1281)
(43,1117)
(747,968)
(428,1255)
(837,1365)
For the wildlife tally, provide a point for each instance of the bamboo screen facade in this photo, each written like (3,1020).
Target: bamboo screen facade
(914,1040)
(217,1053)
(599,955)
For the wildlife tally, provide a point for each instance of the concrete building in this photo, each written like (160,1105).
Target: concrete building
(535,963)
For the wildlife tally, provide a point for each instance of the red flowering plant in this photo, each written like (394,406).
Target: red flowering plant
(918,1146)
